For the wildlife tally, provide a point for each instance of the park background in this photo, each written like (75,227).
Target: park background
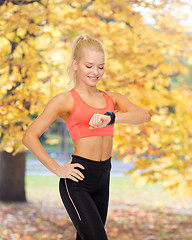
(148,47)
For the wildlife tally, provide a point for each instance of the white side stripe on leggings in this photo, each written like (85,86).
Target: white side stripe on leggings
(72,200)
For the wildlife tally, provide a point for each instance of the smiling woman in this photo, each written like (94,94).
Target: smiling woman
(90,118)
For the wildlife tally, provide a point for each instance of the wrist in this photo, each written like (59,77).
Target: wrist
(112,117)
(58,171)
(109,119)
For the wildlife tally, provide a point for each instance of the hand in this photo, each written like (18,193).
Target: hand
(99,121)
(69,171)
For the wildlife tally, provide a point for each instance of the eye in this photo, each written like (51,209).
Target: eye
(91,67)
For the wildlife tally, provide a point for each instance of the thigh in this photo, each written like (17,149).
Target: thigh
(101,199)
(78,237)
(82,211)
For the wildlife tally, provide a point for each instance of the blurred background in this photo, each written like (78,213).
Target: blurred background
(148,46)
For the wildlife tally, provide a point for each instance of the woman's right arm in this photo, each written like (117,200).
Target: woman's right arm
(55,107)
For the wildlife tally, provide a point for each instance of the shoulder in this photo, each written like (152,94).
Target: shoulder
(122,103)
(59,98)
(111,95)
(114,96)
(63,96)
(61,101)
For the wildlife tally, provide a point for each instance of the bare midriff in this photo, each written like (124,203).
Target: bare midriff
(97,148)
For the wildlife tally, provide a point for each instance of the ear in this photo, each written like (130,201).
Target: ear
(74,65)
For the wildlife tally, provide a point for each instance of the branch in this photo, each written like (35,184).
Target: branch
(13,88)
(19,2)
(174,74)
(113,20)
(87,5)
(101,18)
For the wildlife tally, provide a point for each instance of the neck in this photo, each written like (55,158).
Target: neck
(86,89)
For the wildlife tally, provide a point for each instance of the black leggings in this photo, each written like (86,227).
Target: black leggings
(86,201)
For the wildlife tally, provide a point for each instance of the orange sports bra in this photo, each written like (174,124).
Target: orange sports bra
(78,121)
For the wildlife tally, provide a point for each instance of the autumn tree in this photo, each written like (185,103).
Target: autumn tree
(22,64)
(141,60)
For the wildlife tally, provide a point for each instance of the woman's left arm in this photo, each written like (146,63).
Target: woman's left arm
(130,113)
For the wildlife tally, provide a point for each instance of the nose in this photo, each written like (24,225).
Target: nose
(95,70)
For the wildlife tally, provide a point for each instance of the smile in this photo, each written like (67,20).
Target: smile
(94,78)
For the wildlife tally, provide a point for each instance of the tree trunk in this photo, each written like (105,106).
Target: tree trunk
(12,177)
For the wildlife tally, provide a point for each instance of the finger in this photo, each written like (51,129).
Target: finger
(98,120)
(78,165)
(73,174)
(74,179)
(79,173)
(90,122)
(93,120)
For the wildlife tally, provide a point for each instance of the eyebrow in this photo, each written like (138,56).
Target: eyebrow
(92,63)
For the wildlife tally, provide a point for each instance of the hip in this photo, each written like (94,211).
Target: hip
(97,174)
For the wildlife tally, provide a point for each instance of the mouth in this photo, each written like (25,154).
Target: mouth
(93,78)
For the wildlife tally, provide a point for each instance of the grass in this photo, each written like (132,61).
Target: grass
(122,191)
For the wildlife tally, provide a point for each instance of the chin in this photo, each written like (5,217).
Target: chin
(92,85)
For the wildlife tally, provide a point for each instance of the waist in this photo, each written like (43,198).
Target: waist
(97,148)
(91,162)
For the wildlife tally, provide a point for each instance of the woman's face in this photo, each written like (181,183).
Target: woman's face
(90,67)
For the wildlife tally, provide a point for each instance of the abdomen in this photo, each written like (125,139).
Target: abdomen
(98,148)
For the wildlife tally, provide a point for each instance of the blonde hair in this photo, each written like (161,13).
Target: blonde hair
(81,42)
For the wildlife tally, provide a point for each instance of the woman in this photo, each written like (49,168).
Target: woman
(89,115)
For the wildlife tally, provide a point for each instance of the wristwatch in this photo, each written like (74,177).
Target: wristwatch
(112,115)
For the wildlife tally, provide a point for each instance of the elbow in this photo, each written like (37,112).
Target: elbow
(24,139)
(27,137)
(147,117)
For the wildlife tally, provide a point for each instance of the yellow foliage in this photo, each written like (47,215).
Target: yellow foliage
(35,46)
